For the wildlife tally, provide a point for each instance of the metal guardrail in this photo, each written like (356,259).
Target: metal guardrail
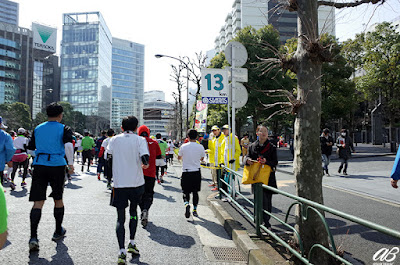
(229,179)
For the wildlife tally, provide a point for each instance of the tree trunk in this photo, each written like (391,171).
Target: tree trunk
(307,151)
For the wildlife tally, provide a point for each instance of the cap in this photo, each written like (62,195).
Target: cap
(21,131)
(215,127)
(2,126)
(1,119)
(226,126)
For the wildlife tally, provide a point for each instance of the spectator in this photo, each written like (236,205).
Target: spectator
(345,145)
(326,141)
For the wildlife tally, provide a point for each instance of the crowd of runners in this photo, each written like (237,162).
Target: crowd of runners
(132,162)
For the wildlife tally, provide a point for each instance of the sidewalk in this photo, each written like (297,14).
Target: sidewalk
(362,151)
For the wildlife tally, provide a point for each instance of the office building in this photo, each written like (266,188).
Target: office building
(86,63)
(154,95)
(260,13)
(9,12)
(159,115)
(26,58)
(127,80)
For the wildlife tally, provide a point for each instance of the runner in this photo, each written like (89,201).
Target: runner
(101,161)
(149,174)
(129,155)
(52,142)
(87,146)
(103,152)
(170,152)
(191,154)
(7,150)
(160,163)
(20,157)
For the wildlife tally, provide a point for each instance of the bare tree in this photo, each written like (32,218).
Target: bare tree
(307,63)
(177,77)
(194,66)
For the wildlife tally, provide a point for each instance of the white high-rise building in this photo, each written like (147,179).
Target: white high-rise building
(263,12)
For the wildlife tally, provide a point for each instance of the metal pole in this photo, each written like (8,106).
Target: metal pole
(233,138)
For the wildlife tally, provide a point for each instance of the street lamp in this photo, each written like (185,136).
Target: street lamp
(187,85)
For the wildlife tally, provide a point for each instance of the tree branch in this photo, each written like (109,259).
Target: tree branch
(348,4)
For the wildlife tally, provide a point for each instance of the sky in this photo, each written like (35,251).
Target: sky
(177,27)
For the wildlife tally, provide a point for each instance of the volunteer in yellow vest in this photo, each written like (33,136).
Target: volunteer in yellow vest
(226,145)
(215,153)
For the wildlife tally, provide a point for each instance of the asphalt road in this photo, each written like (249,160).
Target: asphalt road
(365,193)
(90,222)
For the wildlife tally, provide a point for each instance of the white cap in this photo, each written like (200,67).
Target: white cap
(21,131)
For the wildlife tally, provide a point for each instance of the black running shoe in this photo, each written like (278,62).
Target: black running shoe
(187,212)
(195,213)
(57,236)
(122,259)
(33,245)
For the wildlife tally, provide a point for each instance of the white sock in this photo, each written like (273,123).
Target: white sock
(122,250)
(132,242)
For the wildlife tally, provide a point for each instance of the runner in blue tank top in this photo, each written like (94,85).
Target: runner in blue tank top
(52,142)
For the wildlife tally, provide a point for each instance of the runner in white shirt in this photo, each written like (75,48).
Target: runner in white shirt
(191,154)
(170,152)
(103,151)
(20,157)
(130,155)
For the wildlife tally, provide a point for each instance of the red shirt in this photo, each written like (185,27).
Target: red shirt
(154,150)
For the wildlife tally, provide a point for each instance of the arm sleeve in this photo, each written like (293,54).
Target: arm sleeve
(10,149)
(67,137)
(69,153)
(238,150)
(273,161)
(101,152)
(396,167)
(181,151)
(32,142)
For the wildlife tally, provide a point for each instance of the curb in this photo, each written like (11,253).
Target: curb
(255,256)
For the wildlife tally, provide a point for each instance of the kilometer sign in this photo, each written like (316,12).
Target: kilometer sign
(214,86)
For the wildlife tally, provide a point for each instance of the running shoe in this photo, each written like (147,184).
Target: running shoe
(23,184)
(133,249)
(98,176)
(12,185)
(162,181)
(145,218)
(214,189)
(109,186)
(211,185)
(158,181)
(187,211)
(33,245)
(122,259)
(57,236)
(195,213)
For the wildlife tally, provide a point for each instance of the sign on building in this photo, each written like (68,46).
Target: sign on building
(44,38)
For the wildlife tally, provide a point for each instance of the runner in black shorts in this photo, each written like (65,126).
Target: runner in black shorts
(52,142)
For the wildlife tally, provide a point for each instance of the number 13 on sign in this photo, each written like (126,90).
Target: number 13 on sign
(214,82)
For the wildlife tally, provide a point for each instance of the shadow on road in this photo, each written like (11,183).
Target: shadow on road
(163,197)
(212,227)
(19,194)
(171,188)
(135,260)
(61,257)
(169,238)
(365,177)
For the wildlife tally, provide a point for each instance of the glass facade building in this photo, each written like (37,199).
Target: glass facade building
(9,12)
(86,63)
(127,80)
